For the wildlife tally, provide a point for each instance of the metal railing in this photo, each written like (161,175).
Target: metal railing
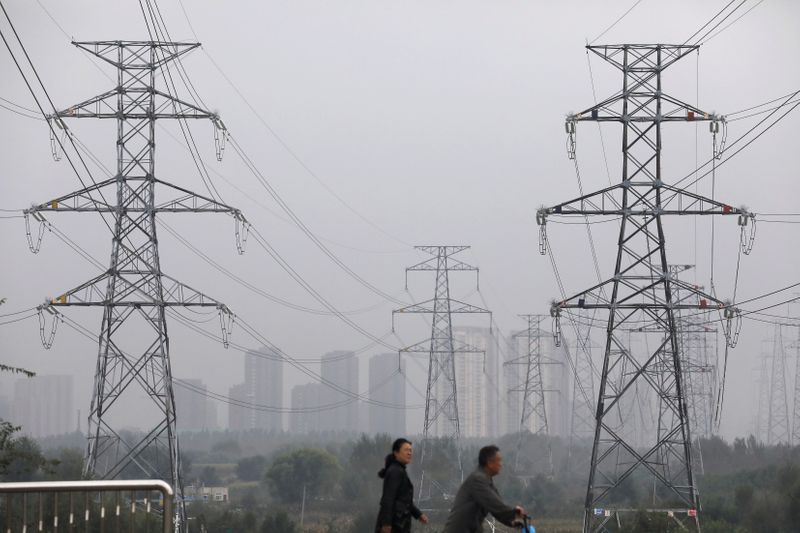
(125,506)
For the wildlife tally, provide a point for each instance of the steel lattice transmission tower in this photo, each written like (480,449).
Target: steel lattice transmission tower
(531,388)
(796,398)
(641,293)
(773,416)
(441,397)
(133,292)
(699,371)
(582,404)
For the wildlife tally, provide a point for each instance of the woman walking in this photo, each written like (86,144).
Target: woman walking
(397,505)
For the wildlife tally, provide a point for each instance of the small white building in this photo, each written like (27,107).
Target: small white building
(194,493)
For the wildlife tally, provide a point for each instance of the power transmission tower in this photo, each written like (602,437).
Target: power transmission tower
(796,407)
(133,292)
(698,370)
(641,292)
(582,404)
(532,387)
(760,428)
(777,422)
(441,397)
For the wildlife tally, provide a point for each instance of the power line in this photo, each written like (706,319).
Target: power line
(616,21)
(733,22)
(285,145)
(52,105)
(279,200)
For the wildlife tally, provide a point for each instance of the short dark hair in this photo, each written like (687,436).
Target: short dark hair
(396,445)
(486,453)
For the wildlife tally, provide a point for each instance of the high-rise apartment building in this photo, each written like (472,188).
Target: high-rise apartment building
(305,416)
(478,385)
(238,416)
(262,386)
(263,378)
(43,405)
(340,371)
(388,386)
(194,411)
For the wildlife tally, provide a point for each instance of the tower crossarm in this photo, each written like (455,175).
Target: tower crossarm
(427,307)
(593,298)
(133,291)
(457,347)
(178,200)
(430,265)
(644,198)
(673,109)
(642,57)
(136,55)
(136,105)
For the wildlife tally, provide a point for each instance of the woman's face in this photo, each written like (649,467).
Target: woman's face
(404,454)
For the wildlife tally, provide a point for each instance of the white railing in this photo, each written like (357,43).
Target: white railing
(124,506)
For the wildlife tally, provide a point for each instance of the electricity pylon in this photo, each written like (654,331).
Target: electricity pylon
(796,407)
(441,397)
(699,371)
(776,417)
(641,293)
(133,292)
(581,425)
(532,387)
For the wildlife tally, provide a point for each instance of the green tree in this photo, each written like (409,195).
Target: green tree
(360,481)
(21,459)
(210,477)
(279,521)
(67,465)
(251,468)
(316,470)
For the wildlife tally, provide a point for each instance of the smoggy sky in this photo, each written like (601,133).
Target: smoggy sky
(389,124)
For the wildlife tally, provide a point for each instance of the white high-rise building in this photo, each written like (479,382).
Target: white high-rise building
(263,379)
(388,386)
(239,416)
(305,417)
(262,386)
(194,411)
(477,385)
(340,369)
(43,405)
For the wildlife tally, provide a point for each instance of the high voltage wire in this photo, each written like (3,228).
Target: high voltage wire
(283,143)
(52,105)
(734,21)
(616,21)
(279,200)
(710,21)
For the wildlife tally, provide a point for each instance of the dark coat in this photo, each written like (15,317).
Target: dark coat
(476,498)
(397,505)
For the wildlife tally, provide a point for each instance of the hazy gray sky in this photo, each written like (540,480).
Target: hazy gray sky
(440,122)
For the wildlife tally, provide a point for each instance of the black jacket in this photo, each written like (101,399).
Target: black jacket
(397,505)
(476,498)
